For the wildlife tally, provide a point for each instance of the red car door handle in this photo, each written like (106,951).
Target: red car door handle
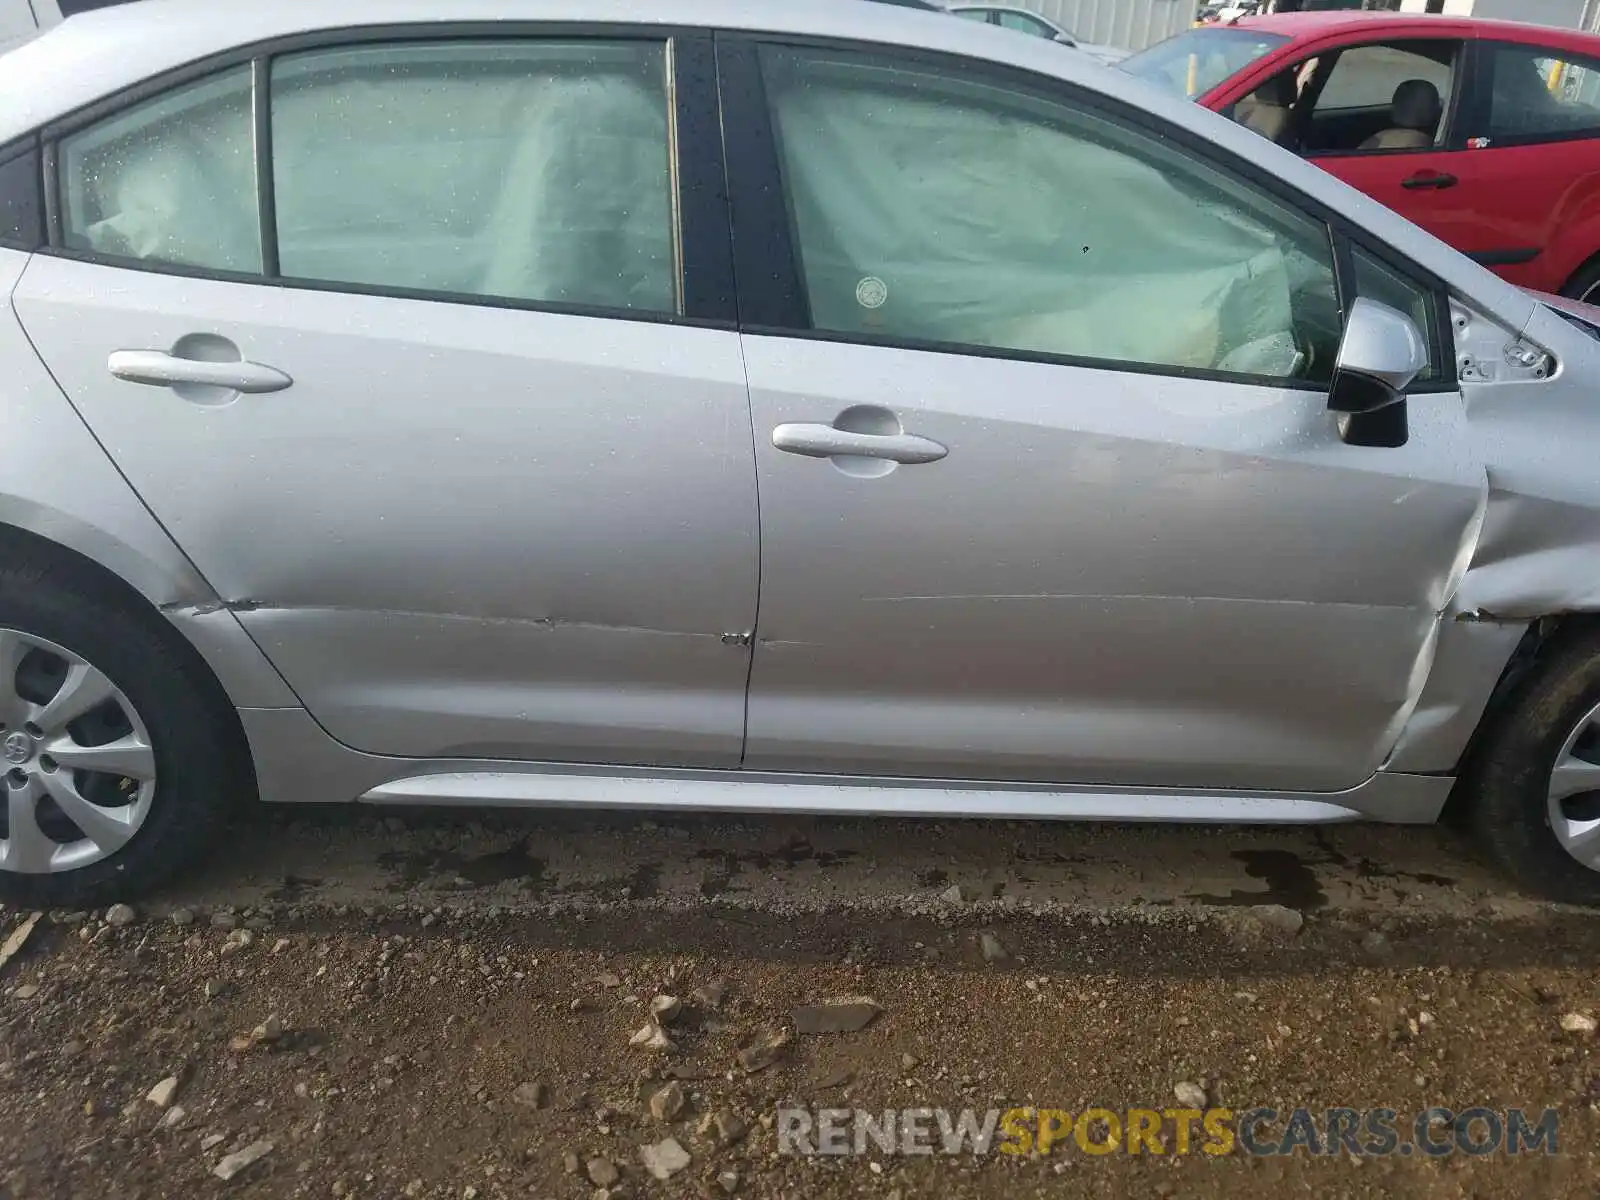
(1430,179)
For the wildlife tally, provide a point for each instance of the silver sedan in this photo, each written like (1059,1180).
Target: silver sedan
(819,407)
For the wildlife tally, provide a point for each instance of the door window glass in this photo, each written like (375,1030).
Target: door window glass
(1368,76)
(171,180)
(529,170)
(1536,94)
(931,208)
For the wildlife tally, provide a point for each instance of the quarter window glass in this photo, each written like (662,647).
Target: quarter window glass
(528,170)
(937,209)
(1378,281)
(1535,94)
(170,181)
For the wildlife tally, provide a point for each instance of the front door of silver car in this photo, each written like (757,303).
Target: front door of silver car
(1050,488)
(479,482)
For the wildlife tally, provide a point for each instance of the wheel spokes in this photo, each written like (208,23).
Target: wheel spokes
(28,849)
(1572,777)
(128,756)
(83,690)
(14,709)
(1582,840)
(108,828)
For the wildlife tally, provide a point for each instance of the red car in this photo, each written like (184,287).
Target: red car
(1485,133)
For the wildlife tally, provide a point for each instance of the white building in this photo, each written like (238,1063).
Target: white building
(1567,14)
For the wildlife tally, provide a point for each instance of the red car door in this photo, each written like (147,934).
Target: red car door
(1530,177)
(1382,116)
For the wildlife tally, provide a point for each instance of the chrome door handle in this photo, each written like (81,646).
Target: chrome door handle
(825,441)
(161,369)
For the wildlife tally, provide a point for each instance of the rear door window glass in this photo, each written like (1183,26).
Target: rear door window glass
(532,170)
(1536,94)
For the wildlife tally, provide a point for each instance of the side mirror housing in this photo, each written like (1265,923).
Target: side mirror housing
(1381,354)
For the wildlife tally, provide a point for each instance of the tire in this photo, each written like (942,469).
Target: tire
(1509,783)
(1585,283)
(195,749)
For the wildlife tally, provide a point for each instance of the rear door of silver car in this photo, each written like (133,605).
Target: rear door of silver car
(421,344)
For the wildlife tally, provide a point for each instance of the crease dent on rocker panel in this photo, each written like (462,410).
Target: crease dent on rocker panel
(267,609)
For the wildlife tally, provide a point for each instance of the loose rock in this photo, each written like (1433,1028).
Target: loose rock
(762,1053)
(18,939)
(268,1031)
(845,1014)
(1190,1095)
(727,1127)
(664,1159)
(181,917)
(1278,919)
(1576,1022)
(602,1172)
(163,1094)
(728,1181)
(120,914)
(232,1164)
(26,991)
(653,1037)
(953,895)
(665,1009)
(533,1095)
(994,950)
(667,1104)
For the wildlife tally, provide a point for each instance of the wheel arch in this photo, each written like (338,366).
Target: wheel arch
(1543,638)
(206,638)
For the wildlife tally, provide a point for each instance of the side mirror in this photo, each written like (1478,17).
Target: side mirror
(1381,354)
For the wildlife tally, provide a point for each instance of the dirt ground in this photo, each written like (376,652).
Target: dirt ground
(443,1007)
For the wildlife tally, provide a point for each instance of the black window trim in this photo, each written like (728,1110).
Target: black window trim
(27,148)
(771,293)
(700,201)
(1483,85)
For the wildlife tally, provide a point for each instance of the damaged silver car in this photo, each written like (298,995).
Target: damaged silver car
(826,408)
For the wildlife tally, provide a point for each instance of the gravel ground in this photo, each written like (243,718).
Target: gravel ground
(444,1008)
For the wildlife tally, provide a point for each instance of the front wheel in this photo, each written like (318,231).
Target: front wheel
(1534,791)
(118,762)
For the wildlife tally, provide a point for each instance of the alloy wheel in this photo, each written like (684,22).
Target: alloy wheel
(1575,792)
(79,765)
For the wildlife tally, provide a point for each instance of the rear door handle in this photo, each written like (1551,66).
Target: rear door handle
(1434,179)
(161,369)
(825,441)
